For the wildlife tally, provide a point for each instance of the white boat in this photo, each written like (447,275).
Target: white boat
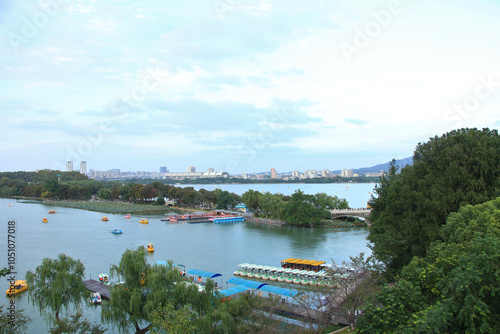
(10,205)
(95,298)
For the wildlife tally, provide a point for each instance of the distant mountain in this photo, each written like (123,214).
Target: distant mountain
(385,167)
(374,169)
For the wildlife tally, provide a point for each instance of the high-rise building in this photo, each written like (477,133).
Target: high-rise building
(191,169)
(83,167)
(163,169)
(69,166)
(211,170)
(274,174)
(347,173)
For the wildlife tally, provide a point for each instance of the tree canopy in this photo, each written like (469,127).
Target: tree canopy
(454,288)
(459,168)
(56,284)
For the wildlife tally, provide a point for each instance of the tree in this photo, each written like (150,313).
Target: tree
(56,284)
(169,320)
(352,285)
(458,168)
(75,325)
(454,288)
(251,199)
(300,210)
(225,200)
(13,323)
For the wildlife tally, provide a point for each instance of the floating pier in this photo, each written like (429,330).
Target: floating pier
(96,286)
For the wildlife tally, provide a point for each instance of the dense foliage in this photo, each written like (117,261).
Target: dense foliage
(454,288)
(461,167)
(298,209)
(56,284)
(157,298)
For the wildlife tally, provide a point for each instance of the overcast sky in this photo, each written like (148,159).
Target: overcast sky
(240,85)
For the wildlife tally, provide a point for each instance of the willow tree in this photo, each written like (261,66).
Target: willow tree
(57,285)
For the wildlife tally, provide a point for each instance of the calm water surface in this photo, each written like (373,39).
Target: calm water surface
(212,247)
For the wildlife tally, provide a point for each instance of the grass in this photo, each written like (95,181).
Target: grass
(112,207)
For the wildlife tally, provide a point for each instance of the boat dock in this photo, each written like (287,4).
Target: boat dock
(96,286)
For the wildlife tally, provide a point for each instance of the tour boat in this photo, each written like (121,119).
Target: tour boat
(52,211)
(45,220)
(95,298)
(128,216)
(150,248)
(144,221)
(117,231)
(104,218)
(18,287)
(103,278)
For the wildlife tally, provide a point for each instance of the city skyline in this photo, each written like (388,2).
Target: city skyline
(241,86)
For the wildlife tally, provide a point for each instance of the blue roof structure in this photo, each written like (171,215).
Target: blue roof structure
(203,273)
(233,290)
(246,283)
(160,263)
(278,290)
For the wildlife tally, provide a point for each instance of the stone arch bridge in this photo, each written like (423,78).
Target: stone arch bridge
(362,213)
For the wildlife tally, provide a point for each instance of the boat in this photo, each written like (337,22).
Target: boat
(95,298)
(45,220)
(144,221)
(103,278)
(151,248)
(128,216)
(18,287)
(52,211)
(10,205)
(116,231)
(104,218)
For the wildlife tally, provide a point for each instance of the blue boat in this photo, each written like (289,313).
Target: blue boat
(117,231)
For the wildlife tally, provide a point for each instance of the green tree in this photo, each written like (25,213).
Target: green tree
(13,323)
(225,200)
(169,320)
(251,199)
(300,210)
(75,325)
(56,284)
(461,167)
(455,287)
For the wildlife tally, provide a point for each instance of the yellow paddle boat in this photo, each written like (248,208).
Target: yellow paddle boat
(144,221)
(18,287)
(104,219)
(45,220)
(151,248)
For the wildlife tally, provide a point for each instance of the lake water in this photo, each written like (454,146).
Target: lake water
(212,247)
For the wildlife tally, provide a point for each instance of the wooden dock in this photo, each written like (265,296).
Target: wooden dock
(96,286)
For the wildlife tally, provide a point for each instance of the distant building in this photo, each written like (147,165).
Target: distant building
(211,170)
(295,173)
(325,173)
(69,166)
(163,169)
(191,169)
(347,173)
(274,174)
(83,167)
(194,175)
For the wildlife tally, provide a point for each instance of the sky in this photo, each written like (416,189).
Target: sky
(240,86)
